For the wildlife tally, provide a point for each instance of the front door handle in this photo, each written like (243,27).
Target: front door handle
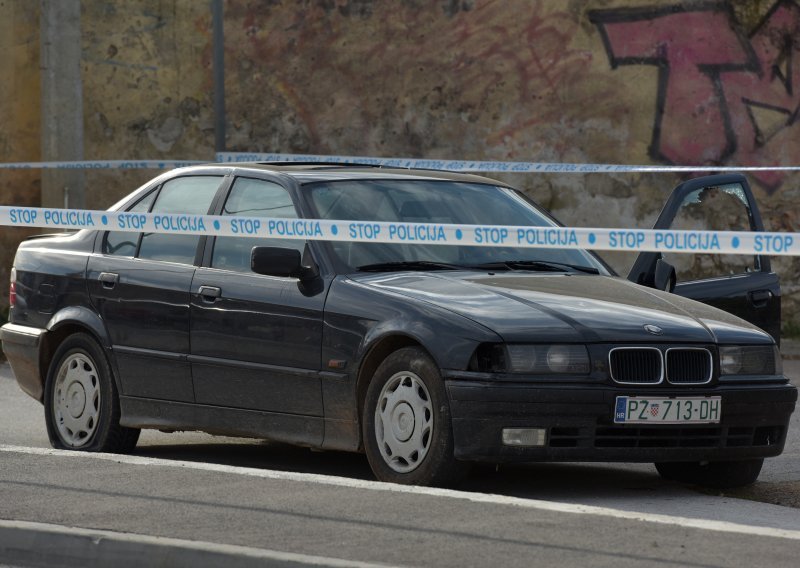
(108,279)
(210,293)
(759,298)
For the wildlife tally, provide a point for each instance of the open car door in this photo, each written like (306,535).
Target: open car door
(743,285)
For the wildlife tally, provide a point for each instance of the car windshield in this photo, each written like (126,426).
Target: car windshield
(446,202)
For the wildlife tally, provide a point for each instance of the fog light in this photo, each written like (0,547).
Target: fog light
(524,436)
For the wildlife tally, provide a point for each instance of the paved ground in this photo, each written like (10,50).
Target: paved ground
(790,348)
(200,488)
(365,523)
(780,482)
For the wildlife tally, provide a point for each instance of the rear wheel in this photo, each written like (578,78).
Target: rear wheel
(406,423)
(81,404)
(719,475)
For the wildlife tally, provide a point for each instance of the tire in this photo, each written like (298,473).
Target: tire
(80,400)
(718,475)
(406,426)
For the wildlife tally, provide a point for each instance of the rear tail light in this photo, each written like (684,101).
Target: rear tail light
(12,288)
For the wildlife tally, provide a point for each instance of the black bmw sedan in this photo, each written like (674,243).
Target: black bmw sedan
(423,356)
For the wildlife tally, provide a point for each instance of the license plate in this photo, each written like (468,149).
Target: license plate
(683,410)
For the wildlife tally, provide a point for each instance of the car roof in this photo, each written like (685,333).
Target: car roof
(311,172)
(304,173)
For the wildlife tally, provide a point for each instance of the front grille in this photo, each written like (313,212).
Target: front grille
(636,365)
(688,366)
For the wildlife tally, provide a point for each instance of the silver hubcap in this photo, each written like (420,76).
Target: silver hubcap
(404,422)
(76,401)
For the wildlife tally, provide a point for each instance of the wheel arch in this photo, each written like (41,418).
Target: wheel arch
(67,322)
(377,352)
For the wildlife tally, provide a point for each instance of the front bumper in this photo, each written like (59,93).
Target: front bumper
(578,419)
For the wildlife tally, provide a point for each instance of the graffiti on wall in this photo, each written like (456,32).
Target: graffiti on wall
(724,96)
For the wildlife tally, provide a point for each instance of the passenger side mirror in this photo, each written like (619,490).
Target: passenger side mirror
(664,277)
(278,261)
(660,275)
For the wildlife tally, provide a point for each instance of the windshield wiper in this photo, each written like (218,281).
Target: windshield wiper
(537,265)
(409,265)
(534,265)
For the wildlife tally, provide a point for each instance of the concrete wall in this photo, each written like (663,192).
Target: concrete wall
(147,87)
(618,81)
(19,120)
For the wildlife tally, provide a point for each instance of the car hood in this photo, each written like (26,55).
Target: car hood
(568,307)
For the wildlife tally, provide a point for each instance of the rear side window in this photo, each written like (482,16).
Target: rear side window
(125,243)
(186,195)
(253,198)
(189,195)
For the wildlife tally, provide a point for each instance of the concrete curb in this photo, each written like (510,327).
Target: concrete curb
(39,544)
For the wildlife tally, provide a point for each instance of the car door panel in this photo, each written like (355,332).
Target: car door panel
(255,339)
(754,297)
(257,345)
(146,313)
(140,283)
(752,293)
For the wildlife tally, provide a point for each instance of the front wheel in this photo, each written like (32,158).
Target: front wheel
(406,422)
(718,475)
(81,404)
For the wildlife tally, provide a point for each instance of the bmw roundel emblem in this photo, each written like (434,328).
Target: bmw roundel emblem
(654,329)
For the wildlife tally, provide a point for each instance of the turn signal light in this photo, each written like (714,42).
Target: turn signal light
(12,288)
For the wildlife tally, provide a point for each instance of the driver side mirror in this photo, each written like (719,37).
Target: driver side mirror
(281,262)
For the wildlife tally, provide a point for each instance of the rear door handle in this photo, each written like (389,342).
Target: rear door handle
(759,298)
(210,293)
(108,279)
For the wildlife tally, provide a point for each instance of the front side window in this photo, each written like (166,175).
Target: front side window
(715,208)
(253,198)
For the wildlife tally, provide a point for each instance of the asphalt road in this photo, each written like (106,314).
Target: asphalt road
(263,496)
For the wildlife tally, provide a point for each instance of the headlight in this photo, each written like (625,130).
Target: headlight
(730,360)
(567,359)
(533,359)
(750,360)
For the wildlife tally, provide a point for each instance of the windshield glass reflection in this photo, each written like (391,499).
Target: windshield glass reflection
(434,201)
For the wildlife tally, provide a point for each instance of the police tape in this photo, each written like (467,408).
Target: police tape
(420,163)
(485,166)
(101,165)
(717,242)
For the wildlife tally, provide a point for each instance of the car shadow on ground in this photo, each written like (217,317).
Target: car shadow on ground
(264,455)
(551,481)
